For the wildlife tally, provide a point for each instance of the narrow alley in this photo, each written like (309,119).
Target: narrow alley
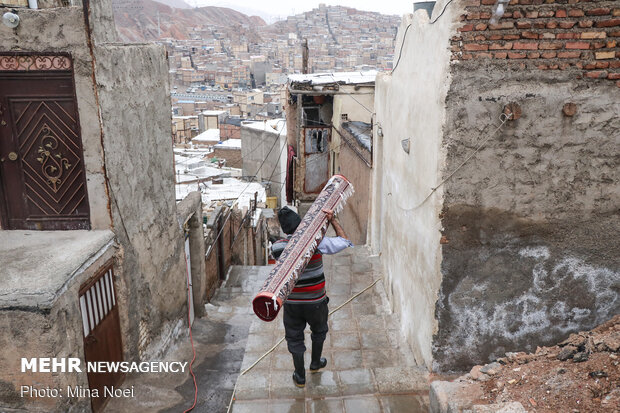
(370,368)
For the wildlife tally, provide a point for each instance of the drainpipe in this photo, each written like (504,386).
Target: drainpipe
(33,4)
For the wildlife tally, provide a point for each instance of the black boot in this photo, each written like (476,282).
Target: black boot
(299,375)
(317,362)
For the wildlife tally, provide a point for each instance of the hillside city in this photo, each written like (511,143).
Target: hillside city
(241,68)
(208,208)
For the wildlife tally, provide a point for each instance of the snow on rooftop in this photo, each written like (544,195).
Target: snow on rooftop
(347,78)
(230,143)
(210,135)
(192,168)
(362,132)
(271,125)
(193,151)
(230,190)
(214,112)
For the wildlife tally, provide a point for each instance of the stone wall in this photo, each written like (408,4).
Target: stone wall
(139,163)
(231,155)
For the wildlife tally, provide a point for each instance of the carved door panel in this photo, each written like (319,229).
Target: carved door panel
(42,174)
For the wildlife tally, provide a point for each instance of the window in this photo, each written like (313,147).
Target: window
(317,140)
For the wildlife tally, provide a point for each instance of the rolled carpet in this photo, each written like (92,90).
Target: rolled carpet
(300,248)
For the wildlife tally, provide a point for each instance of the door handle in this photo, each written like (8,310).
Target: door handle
(12,156)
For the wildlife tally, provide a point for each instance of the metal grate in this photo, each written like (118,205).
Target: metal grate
(97,301)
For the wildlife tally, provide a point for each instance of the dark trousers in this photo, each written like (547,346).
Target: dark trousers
(295,318)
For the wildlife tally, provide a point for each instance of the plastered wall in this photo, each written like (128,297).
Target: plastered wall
(138,155)
(405,229)
(51,332)
(518,246)
(531,221)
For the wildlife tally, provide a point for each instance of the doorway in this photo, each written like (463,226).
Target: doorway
(42,173)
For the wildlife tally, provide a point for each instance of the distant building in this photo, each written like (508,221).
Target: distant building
(208,138)
(264,153)
(210,119)
(184,128)
(230,128)
(321,103)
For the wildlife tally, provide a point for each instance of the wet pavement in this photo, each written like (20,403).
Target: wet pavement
(219,339)
(370,368)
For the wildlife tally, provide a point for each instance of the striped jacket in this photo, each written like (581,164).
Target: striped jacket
(310,287)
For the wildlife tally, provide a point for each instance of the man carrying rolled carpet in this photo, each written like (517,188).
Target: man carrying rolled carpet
(307,303)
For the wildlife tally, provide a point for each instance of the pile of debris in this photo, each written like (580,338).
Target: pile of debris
(580,374)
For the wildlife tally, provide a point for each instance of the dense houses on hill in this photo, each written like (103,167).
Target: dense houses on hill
(244,71)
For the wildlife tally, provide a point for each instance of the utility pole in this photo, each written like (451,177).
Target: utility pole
(304,56)
(158,26)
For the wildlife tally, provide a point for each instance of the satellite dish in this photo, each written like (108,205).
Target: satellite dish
(10,20)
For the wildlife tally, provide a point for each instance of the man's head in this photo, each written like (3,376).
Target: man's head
(289,220)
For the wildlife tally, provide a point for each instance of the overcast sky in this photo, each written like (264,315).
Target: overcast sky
(283,8)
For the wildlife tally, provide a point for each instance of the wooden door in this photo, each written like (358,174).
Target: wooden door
(42,174)
(102,332)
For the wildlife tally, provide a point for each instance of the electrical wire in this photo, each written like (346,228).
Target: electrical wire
(503,118)
(400,53)
(442,12)
(191,339)
(352,97)
(407,29)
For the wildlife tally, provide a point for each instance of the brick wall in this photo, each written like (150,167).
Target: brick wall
(228,131)
(232,156)
(579,35)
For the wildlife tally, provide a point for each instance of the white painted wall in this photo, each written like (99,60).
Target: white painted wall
(405,229)
(357,104)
